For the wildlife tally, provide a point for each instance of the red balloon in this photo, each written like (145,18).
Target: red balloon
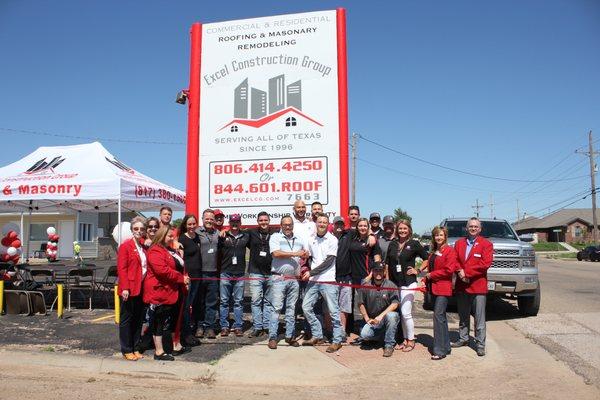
(16,258)
(5,257)
(6,242)
(16,243)
(12,235)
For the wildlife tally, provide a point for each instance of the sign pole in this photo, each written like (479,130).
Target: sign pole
(193,144)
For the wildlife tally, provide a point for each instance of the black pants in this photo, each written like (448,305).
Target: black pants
(441,337)
(163,320)
(130,324)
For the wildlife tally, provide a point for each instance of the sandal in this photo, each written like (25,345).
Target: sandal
(408,347)
(435,357)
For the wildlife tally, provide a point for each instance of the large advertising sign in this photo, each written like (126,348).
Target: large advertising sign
(270,126)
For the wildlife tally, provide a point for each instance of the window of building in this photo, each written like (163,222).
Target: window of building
(234,128)
(578,231)
(85,232)
(290,121)
(38,232)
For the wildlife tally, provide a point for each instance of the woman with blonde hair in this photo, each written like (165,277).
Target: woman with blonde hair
(131,269)
(401,267)
(163,282)
(443,262)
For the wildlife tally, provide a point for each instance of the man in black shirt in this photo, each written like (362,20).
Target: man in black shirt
(378,307)
(232,249)
(259,268)
(343,273)
(375,224)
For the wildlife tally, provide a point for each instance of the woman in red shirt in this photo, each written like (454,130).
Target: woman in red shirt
(442,264)
(161,289)
(131,270)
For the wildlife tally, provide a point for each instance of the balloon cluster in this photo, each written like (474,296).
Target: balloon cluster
(10,248)
(52,247)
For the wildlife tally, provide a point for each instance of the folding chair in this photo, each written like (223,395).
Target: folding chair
(17,302)
(107,285)
(80,280)
(37,302)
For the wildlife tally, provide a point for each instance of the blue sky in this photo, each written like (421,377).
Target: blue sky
(504,89)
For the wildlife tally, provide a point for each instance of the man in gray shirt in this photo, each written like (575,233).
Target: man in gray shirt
(378,305)
(287,250)
(208,297)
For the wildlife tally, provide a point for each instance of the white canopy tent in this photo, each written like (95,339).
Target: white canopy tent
(82,177)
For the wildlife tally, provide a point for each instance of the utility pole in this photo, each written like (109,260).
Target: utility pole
(491,206)
(354,150)
(476,207)
(518,212)
(591,153)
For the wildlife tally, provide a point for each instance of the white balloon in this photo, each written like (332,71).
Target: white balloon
(49,243)
(11,251)
(11,226)
(51,230)
(125,232)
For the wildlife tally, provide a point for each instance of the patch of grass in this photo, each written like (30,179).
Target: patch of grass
(49,349)
(581,245)
(570,256)
(548,246)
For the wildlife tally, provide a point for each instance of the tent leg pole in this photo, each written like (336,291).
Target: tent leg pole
(23,257)
(119,221)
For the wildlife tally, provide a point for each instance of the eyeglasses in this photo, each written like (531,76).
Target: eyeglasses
(152,227)
(136,229)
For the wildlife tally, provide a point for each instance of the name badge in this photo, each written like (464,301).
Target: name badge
(234,260)
(211,250)
(398,268)
(262,254)
(476,255)
(407,247)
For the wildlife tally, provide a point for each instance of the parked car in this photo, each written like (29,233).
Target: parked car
(590,253)
(514,271)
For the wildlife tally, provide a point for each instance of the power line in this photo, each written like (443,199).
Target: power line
(586,192)
(103,139)
(459,170)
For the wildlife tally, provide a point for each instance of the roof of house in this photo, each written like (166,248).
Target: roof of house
(257,123)
(559,218)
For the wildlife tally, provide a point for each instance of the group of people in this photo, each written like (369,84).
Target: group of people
(353,274)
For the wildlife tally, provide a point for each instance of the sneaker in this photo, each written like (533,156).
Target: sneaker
(481,352)
(164,357)
(334,347)
(238,332)
(200,332)
(292,342)
(224,332)
(210,334)
(255,333)
(190,340)
(388,351)
(459,343)
(313,342)
(273,344)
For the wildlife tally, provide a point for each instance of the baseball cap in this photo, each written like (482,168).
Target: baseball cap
(378,267)
(235,218)
(338,219)
(375,215)
(388,219)
(218,212)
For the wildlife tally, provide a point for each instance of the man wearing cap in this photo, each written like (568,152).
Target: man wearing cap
(232,249)
(323,250)
(287,250)
(219,219)
(208,297)
(387,235)
(375,222)
(378,307)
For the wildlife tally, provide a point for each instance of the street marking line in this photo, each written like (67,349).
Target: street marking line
(103,318)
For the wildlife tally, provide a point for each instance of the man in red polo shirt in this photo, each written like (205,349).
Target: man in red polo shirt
(475,255)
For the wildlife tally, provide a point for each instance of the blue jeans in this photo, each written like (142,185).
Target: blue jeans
(330,295)
(288,290)
(189,313)
(260,292)
(387,328)
(231,289)
(209,291)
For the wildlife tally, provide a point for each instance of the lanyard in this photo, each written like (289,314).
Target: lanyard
(264,240)
(288,242)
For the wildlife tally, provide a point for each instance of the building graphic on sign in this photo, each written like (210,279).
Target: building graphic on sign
(263,107)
